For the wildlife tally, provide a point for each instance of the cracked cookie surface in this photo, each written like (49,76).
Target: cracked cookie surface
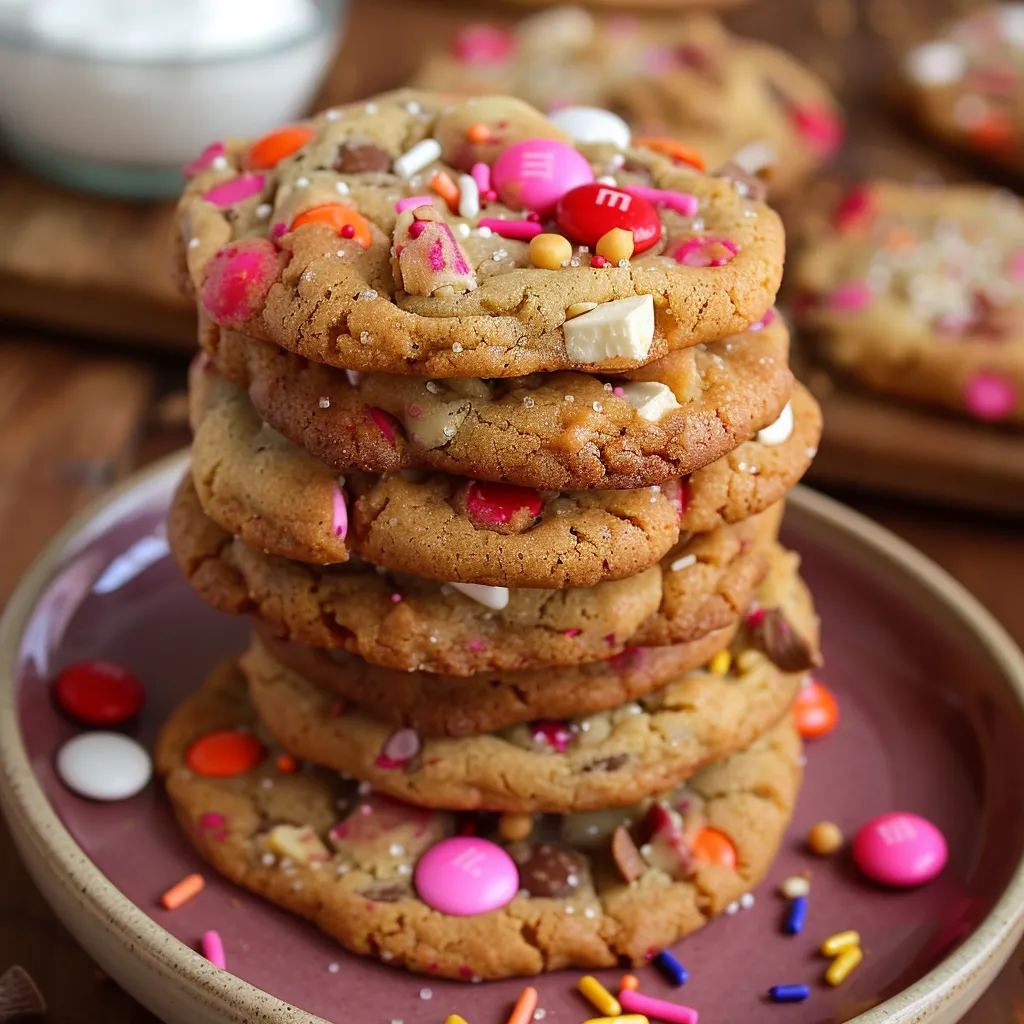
(353,855)
(308,250)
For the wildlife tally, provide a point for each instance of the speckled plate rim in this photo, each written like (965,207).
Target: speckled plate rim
(160,971)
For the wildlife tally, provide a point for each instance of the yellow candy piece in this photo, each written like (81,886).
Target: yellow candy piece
(837,943)
(514,827)
(629,1018)
(615,245)
(454,1018)
(549,251)
(719,665)
(843,965)
(599,996)
(825,838)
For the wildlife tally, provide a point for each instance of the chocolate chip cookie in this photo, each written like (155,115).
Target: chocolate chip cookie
(414,234)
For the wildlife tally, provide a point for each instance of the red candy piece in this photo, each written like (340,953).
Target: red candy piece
(556,735)
(482,44)
(99,693)
(222,754)
(587,212)
(816,711)
(494,504)
(854,208)
(713,847)
(238,279)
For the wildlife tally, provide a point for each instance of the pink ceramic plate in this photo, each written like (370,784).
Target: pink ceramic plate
(932,698)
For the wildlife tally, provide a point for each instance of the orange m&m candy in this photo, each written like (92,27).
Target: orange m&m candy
(276,145)
(816,711)
(221,754)
(675,150)
(710,846)
(346,221)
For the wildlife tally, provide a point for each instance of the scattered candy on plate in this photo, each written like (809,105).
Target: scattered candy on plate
(104,766)
(900,849)
(99,693)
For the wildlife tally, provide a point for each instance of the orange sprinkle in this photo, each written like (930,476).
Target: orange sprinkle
(183,891)
(478,133)
(340,217)
(522,1012)
(286,763)
(816,711)
(713,847)
(673,149)
(443,185)
(994,132)
(276,145)
(629,982)
(221,754)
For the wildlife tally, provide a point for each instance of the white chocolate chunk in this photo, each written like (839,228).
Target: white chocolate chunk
(1010,19)
(592,125)
(756,157)
(622,328)
(936,64)
(650,399)
(301,845)
(422,155)
(780,430)
(437,428)
(354,377)
(495,598)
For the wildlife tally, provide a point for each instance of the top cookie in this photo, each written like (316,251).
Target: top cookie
(965,85)
(689,78)
(920,292)
(399,235)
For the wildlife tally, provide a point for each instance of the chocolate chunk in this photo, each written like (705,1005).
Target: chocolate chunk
(627,857)
(386,892)
(548,870)
(364,158)
(749,185)
(607,764)
(783,644)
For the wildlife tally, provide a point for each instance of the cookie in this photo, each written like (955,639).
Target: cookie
(963,86)
(400,621)
(564,431)
(255,483)
(611,758)
(457,706)
(298,239)
(689,78)
(350,861)
(919,293)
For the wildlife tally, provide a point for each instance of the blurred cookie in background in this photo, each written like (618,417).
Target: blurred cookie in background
(727,99)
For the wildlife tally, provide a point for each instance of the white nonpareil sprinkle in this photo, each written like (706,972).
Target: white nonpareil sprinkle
(499,254)
(193,243)
(325,403)
(936,64)
(263,210)
(463,230)
(332,115)
(372,108)
(267,860)
(426,993)
(684,563)
(334,968)
(747,900)
(302,182)
(732,908)
(456,347)
(484,231)
(422,155)
(341,188)
(413,108)
(539,1014)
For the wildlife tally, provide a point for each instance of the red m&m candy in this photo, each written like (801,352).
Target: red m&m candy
(99,693)
(589,211)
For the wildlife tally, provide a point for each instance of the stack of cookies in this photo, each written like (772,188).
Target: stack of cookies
(493,429)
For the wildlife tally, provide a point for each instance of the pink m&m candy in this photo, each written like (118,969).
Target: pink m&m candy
(900,849)
(588,212)
(536,173)
(466,876)
(483,44)
(989,396)
(235,190)
(238,279)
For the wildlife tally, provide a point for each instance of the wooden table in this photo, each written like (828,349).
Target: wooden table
(75,418)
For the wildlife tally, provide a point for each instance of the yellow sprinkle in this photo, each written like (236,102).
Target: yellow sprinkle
(454,1018)
(843,964)
(835,944)
(599,996)
(629,1018)
(719,664)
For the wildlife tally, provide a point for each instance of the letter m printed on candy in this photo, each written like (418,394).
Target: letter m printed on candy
(614,199)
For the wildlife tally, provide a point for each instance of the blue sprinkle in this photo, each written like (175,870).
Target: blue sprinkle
(796,916)
(788,993)
(673,970)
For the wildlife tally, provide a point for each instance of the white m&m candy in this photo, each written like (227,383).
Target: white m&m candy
(104,766)
(592,124)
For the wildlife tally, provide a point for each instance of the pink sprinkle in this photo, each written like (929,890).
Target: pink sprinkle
(598,262)
(610,638)
(855,206)
(278,229)
(990,396)
(489,196)
(381,419)
(756,617)
(411,202)
(1015,266)
(213,949)
(556,735)
(682,202)
(820,127)
(706,252)
(204,160)
(619,390)
(521,230)
(435,257)
(396,598)
(476,646)
(237,190)
(481,174)
(572,632)
(849,298)
(761,324)
(657,1009)
(483,44)
(531,216)
(340,512)
(212,820)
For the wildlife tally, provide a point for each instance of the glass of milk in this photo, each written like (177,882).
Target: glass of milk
(114,96)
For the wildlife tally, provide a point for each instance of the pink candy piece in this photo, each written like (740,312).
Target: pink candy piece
(211,819)
(399,749)
(465,876)
(339,523)
(204,160)
(990,396)
(761,324)
(572,632)
(556,735)
(238,278)
(629,658)
(589,211)
(849,298)
(482,44)
(1015,266)
(819,126)
(522,230)
(705,252)
(213,949)
(682,202)
(536,173)
(412,202)
(481,174)
(236,190)
(900,849)
(381,419)
(656,1009)
(491,504)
